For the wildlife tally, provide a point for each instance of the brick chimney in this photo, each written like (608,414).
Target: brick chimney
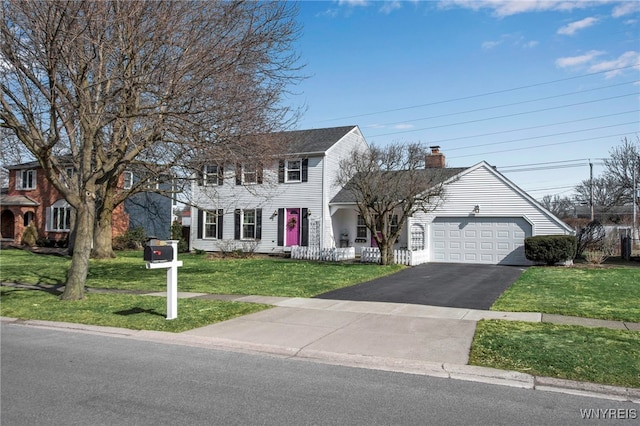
(435,160)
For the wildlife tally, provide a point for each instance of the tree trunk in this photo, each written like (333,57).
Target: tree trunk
(102,241)
(77,275)
(386,255)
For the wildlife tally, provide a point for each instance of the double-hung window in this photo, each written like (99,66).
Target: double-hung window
(294,171)
(212,174)
(128,180)
(210,224)
(248,224)
(361,228)
(249,174)
(27,180)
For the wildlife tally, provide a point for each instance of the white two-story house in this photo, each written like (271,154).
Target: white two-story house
(277,203)
(293,201)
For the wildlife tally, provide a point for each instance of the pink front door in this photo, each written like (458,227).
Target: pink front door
(292,227)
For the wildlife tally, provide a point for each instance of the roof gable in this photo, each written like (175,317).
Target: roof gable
(491,169)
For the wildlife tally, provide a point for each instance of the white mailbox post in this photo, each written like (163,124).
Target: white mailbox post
(172,275)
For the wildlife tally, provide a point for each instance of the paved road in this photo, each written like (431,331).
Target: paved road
(52,377)
(438,284)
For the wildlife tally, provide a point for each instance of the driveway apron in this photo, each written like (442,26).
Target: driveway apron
(454,285)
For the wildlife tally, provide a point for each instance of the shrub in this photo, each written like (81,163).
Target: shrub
(176,234)
(550,249)
(30,235)
(132,239)
(590,237)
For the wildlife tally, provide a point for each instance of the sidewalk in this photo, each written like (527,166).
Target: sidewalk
(416,339)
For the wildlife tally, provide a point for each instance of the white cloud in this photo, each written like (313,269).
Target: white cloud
(573,61)
(627,59)
(625,8)
(353,3)
(502,8)
(390,6)
(574,27)
(487,45)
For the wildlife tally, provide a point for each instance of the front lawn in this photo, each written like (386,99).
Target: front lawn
(120,310)
(611,293)
(596,355)
(258,276)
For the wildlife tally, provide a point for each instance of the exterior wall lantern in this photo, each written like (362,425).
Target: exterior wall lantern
(476,209)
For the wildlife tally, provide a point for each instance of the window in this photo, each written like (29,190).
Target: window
(248,224)
(210,225)
(26,179)
(393,223)
(249,174)
(417,237)
(212,175)
(128,180)
(294,171)
(28,218)
(60,217)
(67,176)
(361,229)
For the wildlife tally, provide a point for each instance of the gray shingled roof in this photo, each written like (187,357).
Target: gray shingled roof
(439,175)
(313,140)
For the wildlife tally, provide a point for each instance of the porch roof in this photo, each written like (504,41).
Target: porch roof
(17,200)
(437,175)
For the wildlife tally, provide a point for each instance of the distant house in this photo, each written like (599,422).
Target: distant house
(30,198)
(293,201)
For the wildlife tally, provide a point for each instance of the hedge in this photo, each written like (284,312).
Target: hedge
(550,249)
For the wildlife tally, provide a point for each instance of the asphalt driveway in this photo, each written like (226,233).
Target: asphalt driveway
(454,285)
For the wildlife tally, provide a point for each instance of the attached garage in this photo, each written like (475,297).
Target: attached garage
(472,239)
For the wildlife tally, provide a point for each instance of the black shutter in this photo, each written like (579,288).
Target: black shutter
(200,177)
(305,170)
(238,174)
(220,175)
(281,227)
(304,228)
(236,224)
(220,224)
(258,224)
(199,224)
(281,171)
(259,172)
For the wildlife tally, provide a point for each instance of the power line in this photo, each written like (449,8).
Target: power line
(552,162)
(480,94)
(543,136)
(532,127)
(508,115)
(510,104)
(542,146)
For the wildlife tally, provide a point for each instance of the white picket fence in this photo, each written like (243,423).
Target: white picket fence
(325,254)
(402,257)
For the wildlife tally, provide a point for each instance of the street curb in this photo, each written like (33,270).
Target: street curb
(434,369)
(597,390)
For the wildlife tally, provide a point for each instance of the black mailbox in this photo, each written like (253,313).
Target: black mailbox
(158,253)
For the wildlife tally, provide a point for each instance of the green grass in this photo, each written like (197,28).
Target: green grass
(259,276)
(611,293)
(120,310)
(570,352)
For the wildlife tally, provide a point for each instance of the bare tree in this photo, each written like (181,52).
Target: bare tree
(562,207)
(160,83)
(390,184)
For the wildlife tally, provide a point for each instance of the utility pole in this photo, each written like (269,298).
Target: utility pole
(591,188)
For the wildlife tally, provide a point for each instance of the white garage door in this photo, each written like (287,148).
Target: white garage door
(493,240)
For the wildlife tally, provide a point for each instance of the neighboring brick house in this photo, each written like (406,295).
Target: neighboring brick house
(30,198)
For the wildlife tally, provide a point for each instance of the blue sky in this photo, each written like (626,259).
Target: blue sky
(514,83)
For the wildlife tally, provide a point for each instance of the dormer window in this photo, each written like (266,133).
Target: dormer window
(26,180)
